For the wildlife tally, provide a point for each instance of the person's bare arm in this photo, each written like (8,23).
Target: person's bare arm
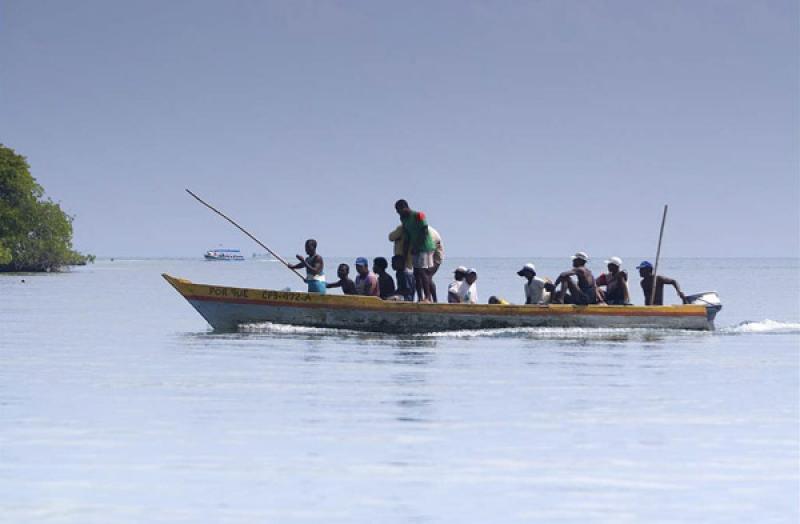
(338,283)
(674,283)
(565,275)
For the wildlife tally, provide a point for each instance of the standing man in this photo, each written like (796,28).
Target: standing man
(314,266)
(646,272)
(438,258)
(615,282)
(583,292)
(417,240)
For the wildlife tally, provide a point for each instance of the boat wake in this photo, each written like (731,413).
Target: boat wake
(544,333)
(763,326)
(549,333)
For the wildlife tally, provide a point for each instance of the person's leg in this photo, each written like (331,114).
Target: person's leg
(426,285)
(432,272)
(561,292)
(577,295)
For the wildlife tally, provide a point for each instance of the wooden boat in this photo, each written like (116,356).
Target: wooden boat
(226,308)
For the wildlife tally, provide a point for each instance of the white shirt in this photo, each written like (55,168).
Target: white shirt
(438,254)
(469,293)
(454,291)
(534,291)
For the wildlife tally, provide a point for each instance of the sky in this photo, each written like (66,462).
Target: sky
(535,128)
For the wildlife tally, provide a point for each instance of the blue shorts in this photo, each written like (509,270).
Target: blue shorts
(317,286)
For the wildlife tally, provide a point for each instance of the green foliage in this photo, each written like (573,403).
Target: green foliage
(35,234)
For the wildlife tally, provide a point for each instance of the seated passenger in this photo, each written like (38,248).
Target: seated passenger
(470,288)
(366,280)
(646,272)
(549,292)
(314,266)
(385,282)
(615,283)
(582,292)
(344,282)
(498,301)
(454,289)
(534,288)
(405,279)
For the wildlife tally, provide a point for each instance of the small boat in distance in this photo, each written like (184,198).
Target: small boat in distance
(223,254)
(226,308)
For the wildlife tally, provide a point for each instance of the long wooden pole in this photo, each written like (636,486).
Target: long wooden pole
(243,230)
(658,255)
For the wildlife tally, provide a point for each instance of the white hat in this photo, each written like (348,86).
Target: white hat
(580,255)
(471,270)
(615,260)
(527,267)
(460,269)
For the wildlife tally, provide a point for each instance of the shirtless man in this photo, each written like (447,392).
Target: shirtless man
(314,266)
(646,272)
(615,283)
(584,291)
(344,282)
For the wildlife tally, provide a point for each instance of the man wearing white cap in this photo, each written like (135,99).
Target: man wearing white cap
(454,295)
(582,293)
(534,289)
(615,282)
(470,289)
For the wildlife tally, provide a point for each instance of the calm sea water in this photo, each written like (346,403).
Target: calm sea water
(117,404)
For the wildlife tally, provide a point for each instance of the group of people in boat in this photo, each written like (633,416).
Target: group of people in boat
(419,252)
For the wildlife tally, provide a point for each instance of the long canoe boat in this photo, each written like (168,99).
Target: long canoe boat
(226,308)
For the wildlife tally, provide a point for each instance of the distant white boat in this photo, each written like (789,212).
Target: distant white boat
(223,254)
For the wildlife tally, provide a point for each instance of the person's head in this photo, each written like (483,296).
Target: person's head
(579,259)
(402,208)
(614,264)
(379,265)
(460,273)
(311,246)
(398,262)
(528,271)
(645,269)
(342,271)
(362,266)
(471,276)
(494,300)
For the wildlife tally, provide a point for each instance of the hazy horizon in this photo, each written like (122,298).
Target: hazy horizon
(520,128)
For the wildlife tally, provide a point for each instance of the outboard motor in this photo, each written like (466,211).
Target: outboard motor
(709,299)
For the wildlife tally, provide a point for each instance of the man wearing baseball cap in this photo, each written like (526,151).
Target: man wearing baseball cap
(454,290)
(646,272)
(615,282)
(470,287)
(534,288)
(366,280)
(584,291)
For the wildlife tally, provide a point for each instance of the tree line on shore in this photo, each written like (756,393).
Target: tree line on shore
(35,233)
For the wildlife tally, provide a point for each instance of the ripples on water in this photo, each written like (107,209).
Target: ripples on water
(118,405)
